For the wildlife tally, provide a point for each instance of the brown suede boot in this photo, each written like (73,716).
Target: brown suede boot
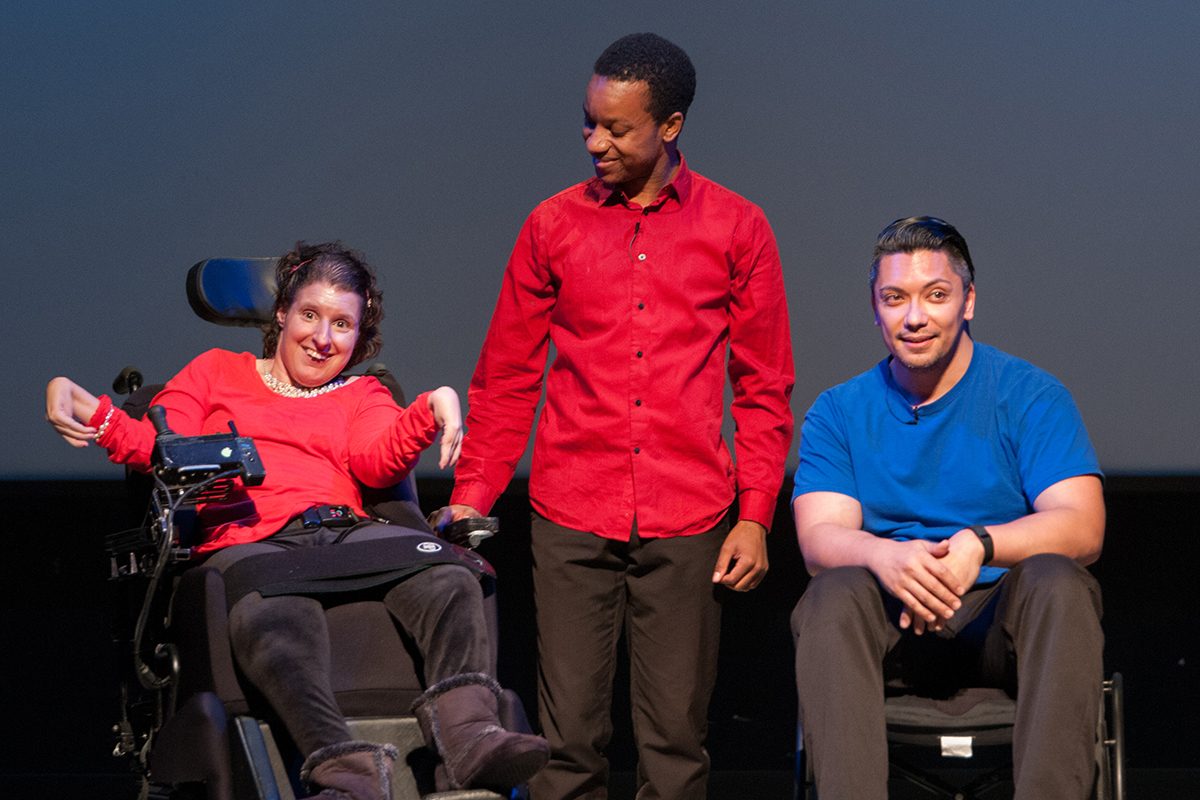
(351,771)
(458,717)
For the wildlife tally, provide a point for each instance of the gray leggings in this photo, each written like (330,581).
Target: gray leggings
(282,643)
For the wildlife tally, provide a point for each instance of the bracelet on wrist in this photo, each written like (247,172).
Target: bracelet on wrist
(103,426)
(102,415)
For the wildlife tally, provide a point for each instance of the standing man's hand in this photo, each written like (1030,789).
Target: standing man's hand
(451,513)
(742,562)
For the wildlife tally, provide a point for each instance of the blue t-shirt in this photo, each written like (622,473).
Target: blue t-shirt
(979,455)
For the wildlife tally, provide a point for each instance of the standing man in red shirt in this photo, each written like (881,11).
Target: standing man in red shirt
(651,282)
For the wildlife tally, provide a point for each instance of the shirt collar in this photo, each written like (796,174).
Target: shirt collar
(899,404)
(678,188)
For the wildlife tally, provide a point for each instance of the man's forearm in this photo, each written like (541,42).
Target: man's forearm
(1073,533)
(827,545)
(1068,519)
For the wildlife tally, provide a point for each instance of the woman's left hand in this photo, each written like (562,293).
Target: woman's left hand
(447,412)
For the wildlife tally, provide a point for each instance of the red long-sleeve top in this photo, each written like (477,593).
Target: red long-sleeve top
(645,308)
(315,450)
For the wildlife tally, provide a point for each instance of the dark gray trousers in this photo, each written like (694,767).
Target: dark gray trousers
(282,643)
(660,591)
(1037,629)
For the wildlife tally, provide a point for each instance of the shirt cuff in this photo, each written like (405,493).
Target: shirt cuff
(757,506)
(478,496)
(103,409)
(423,416)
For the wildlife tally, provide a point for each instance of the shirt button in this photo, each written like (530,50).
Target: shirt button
(641,306)
(637,402)
(637,450)
(641,256)
(639,353)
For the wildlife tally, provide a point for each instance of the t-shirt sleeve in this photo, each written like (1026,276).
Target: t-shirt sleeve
(1052,443)
(825,462)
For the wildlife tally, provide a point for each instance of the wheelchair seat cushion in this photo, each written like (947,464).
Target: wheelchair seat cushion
(969,710)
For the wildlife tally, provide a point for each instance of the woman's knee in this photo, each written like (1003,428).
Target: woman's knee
(439,587)
(449,580)
(269,623)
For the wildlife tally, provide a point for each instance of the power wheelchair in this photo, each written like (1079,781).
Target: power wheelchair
(191,725)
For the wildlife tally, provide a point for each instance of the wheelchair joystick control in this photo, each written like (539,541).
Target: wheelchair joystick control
(189,460)
(158,418)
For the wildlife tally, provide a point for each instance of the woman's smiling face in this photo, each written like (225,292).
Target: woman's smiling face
(317,335)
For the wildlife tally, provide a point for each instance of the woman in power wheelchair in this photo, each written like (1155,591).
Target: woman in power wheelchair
(322,435)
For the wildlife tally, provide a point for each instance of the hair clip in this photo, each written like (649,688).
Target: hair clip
(301,264)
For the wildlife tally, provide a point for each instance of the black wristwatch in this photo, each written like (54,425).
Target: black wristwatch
(985,538)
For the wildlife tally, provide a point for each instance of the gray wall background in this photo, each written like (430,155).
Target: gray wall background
(1060,137)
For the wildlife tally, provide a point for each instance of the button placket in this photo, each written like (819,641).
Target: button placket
(641,284)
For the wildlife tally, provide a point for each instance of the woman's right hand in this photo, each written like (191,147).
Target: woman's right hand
(68,408)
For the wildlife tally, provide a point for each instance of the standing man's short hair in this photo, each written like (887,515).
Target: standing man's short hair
(924,233)
(664,67)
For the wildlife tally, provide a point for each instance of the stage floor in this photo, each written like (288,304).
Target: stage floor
(1145,784)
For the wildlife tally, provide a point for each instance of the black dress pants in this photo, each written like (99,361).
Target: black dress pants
(660,592)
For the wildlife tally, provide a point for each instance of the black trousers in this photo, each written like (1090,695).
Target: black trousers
(1037,629)
(282,643)
(660,592)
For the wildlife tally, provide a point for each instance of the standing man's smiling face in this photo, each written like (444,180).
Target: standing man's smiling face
(630,150)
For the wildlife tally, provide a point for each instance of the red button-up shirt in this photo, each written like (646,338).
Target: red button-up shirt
(643,306)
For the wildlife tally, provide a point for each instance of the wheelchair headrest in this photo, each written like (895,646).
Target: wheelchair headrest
(233,291)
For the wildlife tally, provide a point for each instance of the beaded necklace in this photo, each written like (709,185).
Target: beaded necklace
(288,390)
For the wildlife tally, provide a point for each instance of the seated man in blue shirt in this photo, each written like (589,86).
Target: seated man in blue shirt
(946,502)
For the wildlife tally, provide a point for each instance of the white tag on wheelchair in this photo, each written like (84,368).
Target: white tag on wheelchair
(956,746)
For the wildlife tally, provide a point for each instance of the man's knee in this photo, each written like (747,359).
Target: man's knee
(836,598)
(1058,581)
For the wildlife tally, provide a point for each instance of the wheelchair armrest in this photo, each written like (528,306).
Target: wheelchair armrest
(397,504)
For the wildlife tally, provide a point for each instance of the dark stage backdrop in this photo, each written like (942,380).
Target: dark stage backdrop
(140,137)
